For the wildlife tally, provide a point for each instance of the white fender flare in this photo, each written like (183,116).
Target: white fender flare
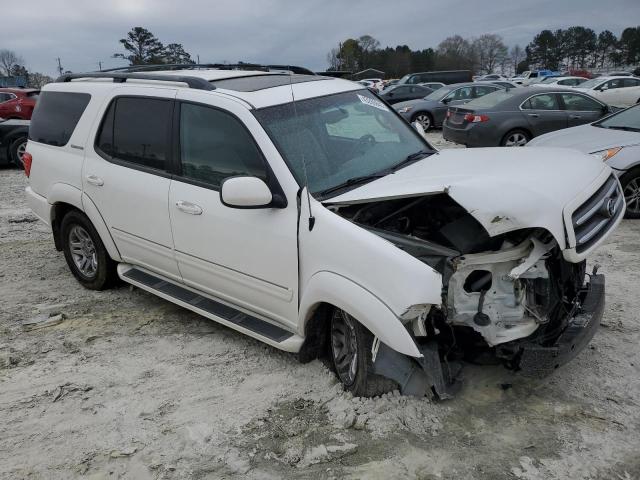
(370,311)
(91,211)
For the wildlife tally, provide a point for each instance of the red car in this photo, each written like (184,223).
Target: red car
(17,103)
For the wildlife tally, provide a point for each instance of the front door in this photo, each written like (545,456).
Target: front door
(126,176)
(581,109)
(248,257)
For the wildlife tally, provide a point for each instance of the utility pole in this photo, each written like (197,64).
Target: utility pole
(198,62)
(60,69)
(100,66)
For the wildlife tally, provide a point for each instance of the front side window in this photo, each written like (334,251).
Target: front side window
(56,116)
(333,139)
(137,130)
(615,83)
(542,102)
(580,103)
(464,93)
(214,145)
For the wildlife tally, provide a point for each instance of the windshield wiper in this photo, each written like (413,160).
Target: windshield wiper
(626,129)
(353,181)
(413,157)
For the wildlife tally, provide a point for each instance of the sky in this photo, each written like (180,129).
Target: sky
(296,32)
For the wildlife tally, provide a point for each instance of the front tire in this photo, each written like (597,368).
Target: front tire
(631,188)
(85,253)
(17,149)
(515,138)
(424,119)
(350,351)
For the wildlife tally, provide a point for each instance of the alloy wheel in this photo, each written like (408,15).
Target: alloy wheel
(632,195)
(344,346)
(83,251)
(516,139)
(424,120)
(20,151)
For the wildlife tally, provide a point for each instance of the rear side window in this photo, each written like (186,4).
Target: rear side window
(137,131)
(542,102)
(56,116)
(580,103)
(214,145)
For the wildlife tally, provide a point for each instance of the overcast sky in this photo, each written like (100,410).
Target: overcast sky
(300,32)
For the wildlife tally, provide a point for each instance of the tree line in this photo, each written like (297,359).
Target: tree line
(574,48)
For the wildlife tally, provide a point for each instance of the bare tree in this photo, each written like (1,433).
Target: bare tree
(8,61)
(333,59)
(517,55)
(490,51)
(39,80)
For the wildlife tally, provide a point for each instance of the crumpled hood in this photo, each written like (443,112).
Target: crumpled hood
(587,138)
(505,189)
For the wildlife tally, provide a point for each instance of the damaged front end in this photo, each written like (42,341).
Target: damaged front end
(510,297)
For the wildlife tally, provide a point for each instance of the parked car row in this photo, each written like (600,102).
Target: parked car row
(13,141)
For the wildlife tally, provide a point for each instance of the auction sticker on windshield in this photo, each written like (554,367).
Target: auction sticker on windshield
(372,102)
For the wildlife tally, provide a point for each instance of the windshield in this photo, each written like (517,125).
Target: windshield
(339,137)
(628,119)
(439,94)
(591,83)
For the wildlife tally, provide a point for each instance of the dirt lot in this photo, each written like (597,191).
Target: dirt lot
(130,386)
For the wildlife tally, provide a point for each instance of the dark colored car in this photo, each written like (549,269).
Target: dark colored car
(431,110)
(513,117)
(13,141)
(445,76)
(17,103)
(402,93)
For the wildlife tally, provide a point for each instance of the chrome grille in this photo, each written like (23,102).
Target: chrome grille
(595,217)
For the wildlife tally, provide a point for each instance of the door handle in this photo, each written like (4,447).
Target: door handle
(575,117)
(94,180)
(188,207)
(534,115)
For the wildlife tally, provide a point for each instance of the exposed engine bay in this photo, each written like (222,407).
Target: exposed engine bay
(496,290)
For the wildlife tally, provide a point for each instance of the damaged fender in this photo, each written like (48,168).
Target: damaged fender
(370,311)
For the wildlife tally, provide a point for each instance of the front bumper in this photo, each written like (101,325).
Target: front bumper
(538,361)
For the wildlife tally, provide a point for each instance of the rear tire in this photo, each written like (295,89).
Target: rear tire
(350,352)
(515,138)
(631,187)
(85,253)
(17,149)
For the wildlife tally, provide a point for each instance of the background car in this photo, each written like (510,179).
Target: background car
(376,83)
(401,93)
(513,117)
(17,103)
(447,77)
(13,141)
(616,91)
(555,82)
(432,85)
(501,83)
(432,109)
(616,140)
(490,77)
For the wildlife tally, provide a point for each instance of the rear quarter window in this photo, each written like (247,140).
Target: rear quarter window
(56,116)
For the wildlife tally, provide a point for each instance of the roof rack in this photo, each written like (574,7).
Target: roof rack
(211,66)
(121,77)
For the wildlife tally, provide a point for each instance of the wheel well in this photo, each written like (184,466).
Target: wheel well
(413,117)
(525,130)
(58,212)
(316,340)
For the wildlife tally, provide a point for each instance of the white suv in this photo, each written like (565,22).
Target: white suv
(304,212)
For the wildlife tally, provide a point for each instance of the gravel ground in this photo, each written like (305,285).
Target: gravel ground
(130,386)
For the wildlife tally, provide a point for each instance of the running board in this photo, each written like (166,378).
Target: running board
(213,309)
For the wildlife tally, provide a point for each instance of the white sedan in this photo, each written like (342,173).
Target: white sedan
(619,91)
(555,82)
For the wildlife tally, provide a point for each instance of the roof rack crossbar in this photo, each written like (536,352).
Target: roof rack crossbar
(121,77)
(215,66)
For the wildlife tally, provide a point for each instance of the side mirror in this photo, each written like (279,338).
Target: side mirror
(245,192)
(390,94)
(447,100)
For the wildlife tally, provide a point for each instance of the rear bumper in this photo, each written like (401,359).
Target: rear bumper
(537,360)
(39,205)
(471,137)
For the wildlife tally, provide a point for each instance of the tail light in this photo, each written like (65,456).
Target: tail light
(472,118)
(26,161)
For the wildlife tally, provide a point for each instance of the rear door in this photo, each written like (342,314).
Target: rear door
(126,175)
(581,109)
(543,113)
